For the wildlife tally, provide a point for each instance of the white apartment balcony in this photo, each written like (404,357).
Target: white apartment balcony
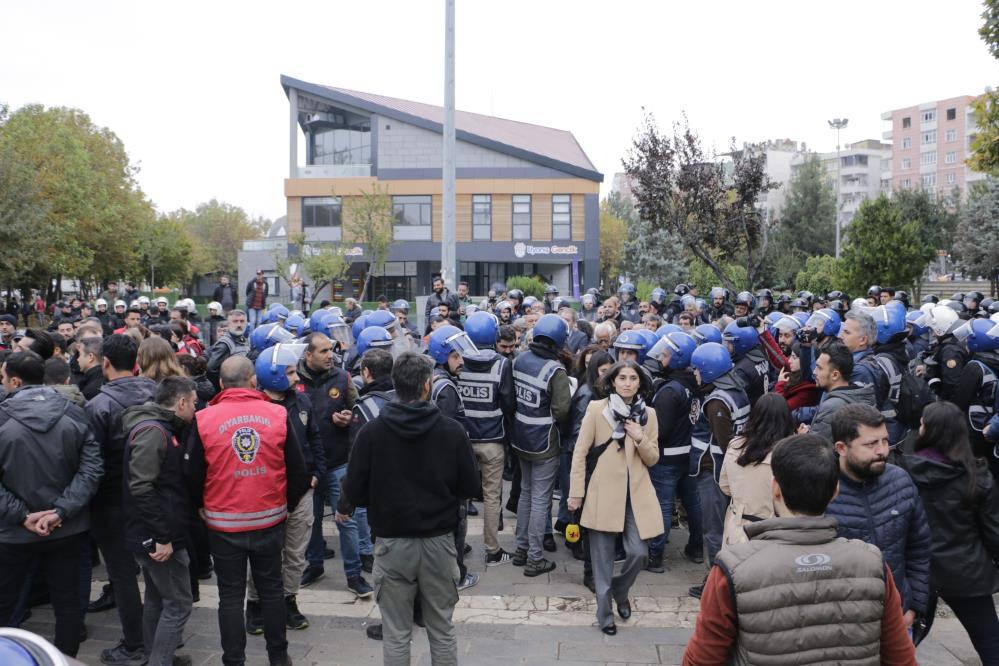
(927,126)
(886,115)
(886,135)
(334,171)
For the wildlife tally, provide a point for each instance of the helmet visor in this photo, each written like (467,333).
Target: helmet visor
(340,332)
(962,332)
(287,354)
(401,344)
(993,332)
(786,323)
(817,320)
(461,343)
(280,335)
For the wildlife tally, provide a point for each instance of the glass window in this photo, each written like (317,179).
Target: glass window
(522,217)
(906,183)
(906,122)
(412,217)
(951,178)
(482,217)
(906,142)
(929,137)
(929,180)
(561,217)
(928,158)
(321,212)
(951,114)
(951,157)
(906,162)
(929,116)
(951,135)
(338,137)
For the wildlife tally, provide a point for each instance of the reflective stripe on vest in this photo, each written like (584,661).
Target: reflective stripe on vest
(981,411)
(533,421)
(245,521)
(479,387)
(703,441)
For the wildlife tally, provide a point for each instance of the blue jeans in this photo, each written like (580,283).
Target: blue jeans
(671,481)
(564,467)
(253,316)
(355,535)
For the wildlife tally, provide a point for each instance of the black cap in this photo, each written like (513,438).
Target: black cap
(10,319)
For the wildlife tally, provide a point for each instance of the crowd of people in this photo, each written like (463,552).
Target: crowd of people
(769,425)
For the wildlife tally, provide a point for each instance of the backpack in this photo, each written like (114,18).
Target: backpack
(908,393)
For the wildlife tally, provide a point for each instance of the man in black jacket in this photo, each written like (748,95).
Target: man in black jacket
(50,467)
(410,467)
(441,295)
(156,511)
(122,390)
(225,294)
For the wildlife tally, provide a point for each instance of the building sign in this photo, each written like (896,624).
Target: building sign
(521,250)
(314,249)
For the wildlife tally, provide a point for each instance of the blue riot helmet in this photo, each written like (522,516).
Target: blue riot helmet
(552,327)
(277,312)
(269,335)
(400,305)
(668,328)
(889,318)
(916,319)
(297,324)
(373,337)
(687,300)
(742,338)
(337,330)
(980,337)
(482,328)
(358,326)
(631,341)
(273,363)
(825,322)
(707,333)
(649,337)
(711,360)
(802,317)
(784,324)
(382,318)
(448,339)
(627,291)
(658,296)
(317,319)
(680,346)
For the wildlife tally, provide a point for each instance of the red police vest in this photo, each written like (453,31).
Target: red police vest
(244,434)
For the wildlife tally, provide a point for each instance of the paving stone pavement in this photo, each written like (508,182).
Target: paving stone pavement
(506,619)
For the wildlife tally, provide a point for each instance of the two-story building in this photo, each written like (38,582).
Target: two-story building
(527,196)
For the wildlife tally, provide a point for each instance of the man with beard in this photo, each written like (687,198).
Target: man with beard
(441,295)
(878,503)
(233,343)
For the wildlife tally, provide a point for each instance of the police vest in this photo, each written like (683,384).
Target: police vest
(369,405)
(702,440)
(533,421)
(479,386)
(677,448)
(244,434)
(441,384)
(984,403)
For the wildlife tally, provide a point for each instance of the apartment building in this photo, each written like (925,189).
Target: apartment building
(859,171)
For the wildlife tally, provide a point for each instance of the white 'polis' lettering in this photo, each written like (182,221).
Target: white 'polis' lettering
(239,420)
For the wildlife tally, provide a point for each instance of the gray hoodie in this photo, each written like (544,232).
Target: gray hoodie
(833,400)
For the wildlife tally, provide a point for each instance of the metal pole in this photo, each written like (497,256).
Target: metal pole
(448,258)
(838,166)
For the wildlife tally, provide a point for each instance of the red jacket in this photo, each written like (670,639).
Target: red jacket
(243,435)
(802,394)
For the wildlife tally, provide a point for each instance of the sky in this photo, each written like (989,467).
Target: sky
(193,91)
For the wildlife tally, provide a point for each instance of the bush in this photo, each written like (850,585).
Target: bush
(643,290)
(820,276)
(531,286)
(704,278)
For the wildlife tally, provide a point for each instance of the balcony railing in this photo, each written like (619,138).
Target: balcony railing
(334,171)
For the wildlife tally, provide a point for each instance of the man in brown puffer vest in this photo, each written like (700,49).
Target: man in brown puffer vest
(795,593)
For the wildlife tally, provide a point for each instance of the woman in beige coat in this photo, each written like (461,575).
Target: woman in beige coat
(623,436)
(745,475)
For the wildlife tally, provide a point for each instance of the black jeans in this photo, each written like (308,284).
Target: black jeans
(978,617)
(108,526)
(59,561)
(262,549)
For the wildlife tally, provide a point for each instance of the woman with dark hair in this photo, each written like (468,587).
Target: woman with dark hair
(618,441)
(962,506)
(745,474)
(793,387)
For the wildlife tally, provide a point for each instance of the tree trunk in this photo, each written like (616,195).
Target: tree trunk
(367,279)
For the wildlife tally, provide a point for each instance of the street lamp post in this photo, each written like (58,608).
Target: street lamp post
(838,124)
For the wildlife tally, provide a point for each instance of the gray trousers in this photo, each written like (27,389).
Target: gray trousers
(405,567)
(534,510)
(714,504)
(611,587)
(297,531)
(167,605)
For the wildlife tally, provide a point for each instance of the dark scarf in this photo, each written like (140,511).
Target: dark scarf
(618,411)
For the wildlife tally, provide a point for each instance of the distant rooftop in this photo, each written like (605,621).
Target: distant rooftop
(545,145)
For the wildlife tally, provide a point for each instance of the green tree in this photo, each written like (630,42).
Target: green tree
(530,285)
(613,231)
(25,226)
(985,147)
(820,275)
(809,216)
(710,209)
(937,219)
(164,253)
(368,220)
(704,277)
(216,231)
(95,210)
(323,263)
(978,232)
(884,248)
(654,254)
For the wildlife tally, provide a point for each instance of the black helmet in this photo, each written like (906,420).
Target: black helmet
(903,297)
(745,298)
(836,295)
(593,291)
(681,289)
(765,293)
(838,306)
(800,303)
(551,289)
(977,295)
(986,303)
(784,298)
(517,294)
(959,296)
(807,295)
(994,308)
(929,298)
(874,291)
(956,306)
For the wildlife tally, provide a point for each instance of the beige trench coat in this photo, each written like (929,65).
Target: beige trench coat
(616,470)
(750,490)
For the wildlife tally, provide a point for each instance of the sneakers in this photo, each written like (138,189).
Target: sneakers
(519,558)
(655,564)
(498,558)
(467,549)
(311,574)
(328,553)
(548,543)
(538,567)
(697,590)
(367,562)
(472,511)
(360,587)
(293,617)
(619,556)
(254,618)
(695,555)
(470,580)
(374,632)
(105,602)
(120,655)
